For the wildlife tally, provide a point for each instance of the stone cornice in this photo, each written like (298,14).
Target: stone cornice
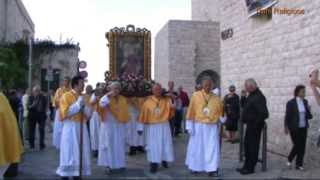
(25,14)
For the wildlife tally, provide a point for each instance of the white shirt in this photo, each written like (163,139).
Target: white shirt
(216,91)
(302,113)
(25,99)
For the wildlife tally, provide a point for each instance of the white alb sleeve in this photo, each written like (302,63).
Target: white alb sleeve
(190,127)
(104,101)
(223,119)
(93,98)
(74,108)
(140,126)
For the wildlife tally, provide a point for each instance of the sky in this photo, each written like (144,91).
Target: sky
(87,21)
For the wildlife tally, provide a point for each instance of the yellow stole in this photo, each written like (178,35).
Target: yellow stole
(119,108)
(148,113)
(199,101)
(66,101)
(87,98)
(58,95)
(10,142)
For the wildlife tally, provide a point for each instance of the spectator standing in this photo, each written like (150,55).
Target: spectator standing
(37,115)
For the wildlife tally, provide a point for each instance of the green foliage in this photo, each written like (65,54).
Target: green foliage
(14,60)
(12,70)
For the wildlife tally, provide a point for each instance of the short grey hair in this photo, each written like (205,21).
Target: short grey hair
(252,82)
(36,88)
(115,84)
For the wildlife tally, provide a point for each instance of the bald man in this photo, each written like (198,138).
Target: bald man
(154,119)
(115,116)
(37,106)
(204,114)
(254,114)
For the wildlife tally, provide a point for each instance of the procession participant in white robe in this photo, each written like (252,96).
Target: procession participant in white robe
(112,144)
(135,141)
(155,115)
(203,117)
(73,113)
(57,130)
(95,121)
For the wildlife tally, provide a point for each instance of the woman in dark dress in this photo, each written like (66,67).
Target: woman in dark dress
(232,109)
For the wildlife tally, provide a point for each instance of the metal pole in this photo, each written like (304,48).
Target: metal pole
(30,62)
(241,144)
(264,148)
(81,144)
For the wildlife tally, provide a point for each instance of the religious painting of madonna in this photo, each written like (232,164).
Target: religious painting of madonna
(130,60)
(129,52)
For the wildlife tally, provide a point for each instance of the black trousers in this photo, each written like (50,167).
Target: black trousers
(34,119)
(178,121)
(299,139)
(172,125)
(252,145)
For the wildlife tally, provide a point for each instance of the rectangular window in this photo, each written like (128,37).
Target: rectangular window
(255,5)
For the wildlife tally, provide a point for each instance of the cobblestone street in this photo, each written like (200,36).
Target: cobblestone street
(42,165)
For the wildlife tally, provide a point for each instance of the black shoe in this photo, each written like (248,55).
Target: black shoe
(213,174)
(76,178)
(122,169)
(108,170)
(141,149)
(64,178)
(95,154)
(153,167)
(239,169)
(132,151)
(194,172)
(12,171)
(246,172)
(31,146)
(42,147)
(165,164)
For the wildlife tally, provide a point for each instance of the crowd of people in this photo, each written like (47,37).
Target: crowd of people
(103,124)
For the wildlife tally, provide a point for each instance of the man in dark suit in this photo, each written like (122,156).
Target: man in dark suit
(296,123)
(37,115)
(254,114)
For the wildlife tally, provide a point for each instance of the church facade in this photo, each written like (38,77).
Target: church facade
(278,47)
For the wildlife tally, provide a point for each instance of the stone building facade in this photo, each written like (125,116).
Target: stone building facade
(15,22)
(62,61)
(278,50)
(185,51)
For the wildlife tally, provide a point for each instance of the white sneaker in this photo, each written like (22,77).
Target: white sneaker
(300,168)
(289,165)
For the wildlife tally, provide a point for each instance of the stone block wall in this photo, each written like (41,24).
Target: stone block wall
(2,19)
(277,52)
(205,10)
(184,49)
(14,20)
(161,56)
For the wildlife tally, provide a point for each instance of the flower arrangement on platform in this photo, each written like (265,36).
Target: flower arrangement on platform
(132,85)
